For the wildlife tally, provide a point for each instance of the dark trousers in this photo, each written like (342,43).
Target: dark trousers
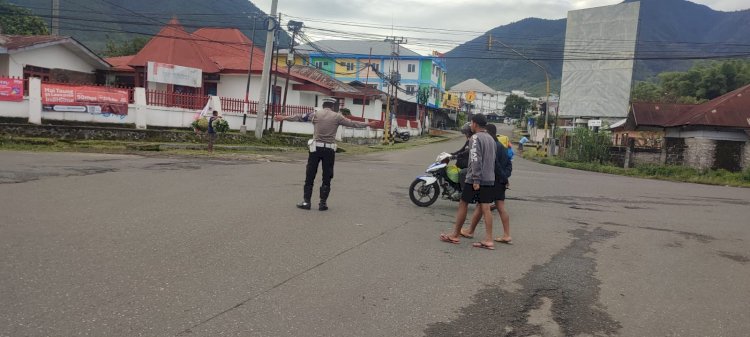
(327,156)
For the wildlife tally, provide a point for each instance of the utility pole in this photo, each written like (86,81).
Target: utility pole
(394,79)
(367,79)
(55,22)
(274,103)
(266,76)
(295,27)
(546,76)
(246,106)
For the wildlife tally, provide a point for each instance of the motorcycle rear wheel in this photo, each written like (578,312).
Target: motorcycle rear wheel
(422,194)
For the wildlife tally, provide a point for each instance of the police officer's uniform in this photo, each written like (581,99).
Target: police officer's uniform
(322,149)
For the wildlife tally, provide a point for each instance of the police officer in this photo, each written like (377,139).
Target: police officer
(322,147)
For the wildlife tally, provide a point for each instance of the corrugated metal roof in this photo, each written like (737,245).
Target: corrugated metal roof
(729,110)
(657,114)
(358,47)
(322,79)
(367,90)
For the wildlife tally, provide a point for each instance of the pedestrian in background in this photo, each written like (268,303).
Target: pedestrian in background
(521,143)
(322,148)
(211,131)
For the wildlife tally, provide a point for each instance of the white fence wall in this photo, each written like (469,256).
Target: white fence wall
(143,115)
(15,109)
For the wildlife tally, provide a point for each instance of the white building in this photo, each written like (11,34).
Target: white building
(51,58)
(486,100)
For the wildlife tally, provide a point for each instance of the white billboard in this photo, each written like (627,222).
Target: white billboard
(600,45)
(174,74)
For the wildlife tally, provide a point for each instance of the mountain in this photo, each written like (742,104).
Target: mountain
(676,27)
(93,22)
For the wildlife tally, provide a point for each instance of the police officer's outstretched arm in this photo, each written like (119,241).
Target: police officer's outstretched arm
(352,124)
(307,117)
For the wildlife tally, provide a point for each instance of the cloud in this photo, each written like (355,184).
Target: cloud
(467,15)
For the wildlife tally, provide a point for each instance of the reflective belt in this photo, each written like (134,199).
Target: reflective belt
(326,145)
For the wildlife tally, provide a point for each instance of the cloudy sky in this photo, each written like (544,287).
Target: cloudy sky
(462,20)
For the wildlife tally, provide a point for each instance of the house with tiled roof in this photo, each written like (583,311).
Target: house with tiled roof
(49,57)
(712,135)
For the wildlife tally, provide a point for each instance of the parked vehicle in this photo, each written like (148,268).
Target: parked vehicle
(402,135)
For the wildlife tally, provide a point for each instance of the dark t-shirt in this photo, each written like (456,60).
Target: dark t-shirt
(211,125)
(462,156)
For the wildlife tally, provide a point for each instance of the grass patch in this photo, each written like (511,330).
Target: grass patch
(650,171)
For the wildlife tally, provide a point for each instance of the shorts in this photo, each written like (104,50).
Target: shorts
(499,191)
(485,195)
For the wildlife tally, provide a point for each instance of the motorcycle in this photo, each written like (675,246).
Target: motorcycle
(402,135)
(441,179)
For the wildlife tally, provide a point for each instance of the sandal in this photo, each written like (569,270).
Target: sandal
(482,245)
(507,242)
(448,239)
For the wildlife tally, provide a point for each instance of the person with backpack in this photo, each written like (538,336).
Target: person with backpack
(503,170)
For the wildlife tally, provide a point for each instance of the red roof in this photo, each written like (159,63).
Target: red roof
(729,110)
(222,50)
(174,45)
(12,42)
(120,63)
(657,114)
(229,49)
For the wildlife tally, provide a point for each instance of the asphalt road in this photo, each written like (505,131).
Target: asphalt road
(114,245)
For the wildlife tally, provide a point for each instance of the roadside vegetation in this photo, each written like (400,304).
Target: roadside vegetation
(277,143)
(661,172)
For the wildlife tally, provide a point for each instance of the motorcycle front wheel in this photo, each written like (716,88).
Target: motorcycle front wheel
(422,194)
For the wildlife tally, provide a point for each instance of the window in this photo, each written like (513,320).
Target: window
(319,64)
(349,66)
(411,68)
(32,71)
(410,89)
(358,101)
(375,66)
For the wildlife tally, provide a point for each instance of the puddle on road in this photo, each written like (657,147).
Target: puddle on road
(560,297)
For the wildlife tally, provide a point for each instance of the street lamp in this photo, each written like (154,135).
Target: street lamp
(546,76)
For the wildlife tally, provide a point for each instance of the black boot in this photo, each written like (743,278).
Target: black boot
(304,204)
(325,190)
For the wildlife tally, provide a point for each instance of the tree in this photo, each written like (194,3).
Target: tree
(703,82)
(132,47)
(15,20)
(515,106)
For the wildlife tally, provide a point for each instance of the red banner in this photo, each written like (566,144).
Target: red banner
(11,89)
(84,98)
